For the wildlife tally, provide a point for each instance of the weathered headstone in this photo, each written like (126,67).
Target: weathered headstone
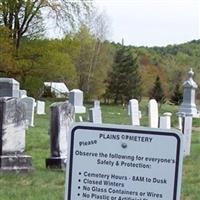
(165,120)
(22,93)
(40,107)
(30,106)
(62,116)
(9,87)
(153,113)
(95,113)
(134,112)
(76,99)
(115,162)
(188,105)
(12,136)
(187,134)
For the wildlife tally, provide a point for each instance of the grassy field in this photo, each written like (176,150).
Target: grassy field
(44,184)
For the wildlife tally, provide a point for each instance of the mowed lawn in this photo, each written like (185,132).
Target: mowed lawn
(45,184)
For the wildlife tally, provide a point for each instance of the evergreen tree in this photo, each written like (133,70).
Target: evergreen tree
(177,95)
(124,80)
(157,92)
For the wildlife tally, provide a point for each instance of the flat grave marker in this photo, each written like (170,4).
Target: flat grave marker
(116,162)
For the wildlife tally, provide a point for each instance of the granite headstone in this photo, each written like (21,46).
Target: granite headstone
(12,136)
(62,116)
(9,87)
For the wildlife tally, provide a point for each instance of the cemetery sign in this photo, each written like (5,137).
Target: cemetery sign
(118,162)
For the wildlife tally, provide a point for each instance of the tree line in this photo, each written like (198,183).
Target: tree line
(84,59)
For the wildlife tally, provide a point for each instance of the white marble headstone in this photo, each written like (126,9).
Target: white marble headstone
(30,106)
(40,108)
(134,112)
(187,134)
(153,113)
(165,121)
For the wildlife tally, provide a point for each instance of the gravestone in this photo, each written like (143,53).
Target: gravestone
(12,136)
(134,112)
(187,134)
(165,121)
(153,113)
(76,99)
(9,87)
(95,113)
(118,162)
(22,94)
(40,108)
(30,106)
(97,104)
(62,116)
(188,105)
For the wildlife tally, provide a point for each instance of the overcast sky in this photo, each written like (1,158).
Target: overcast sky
(152,22)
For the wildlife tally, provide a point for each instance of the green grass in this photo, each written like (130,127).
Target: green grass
(44,184)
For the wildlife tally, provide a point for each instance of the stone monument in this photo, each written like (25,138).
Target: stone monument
(12,136)
(62,116)
(76,99)
(188,105)
(9,87)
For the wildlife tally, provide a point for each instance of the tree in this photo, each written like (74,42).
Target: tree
(177,95)
(157,92)
(124,80)
(7,61)
(25,17)
(45,60)
(92,62)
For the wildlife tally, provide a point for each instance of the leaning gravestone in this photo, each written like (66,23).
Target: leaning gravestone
(62,116)
(30,106)
(115,162)
(12,136)
(134,112)
(9,87)
(76,99)
(40,108)
(95,113)
(153,113)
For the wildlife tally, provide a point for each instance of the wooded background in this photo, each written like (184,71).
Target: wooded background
(83,58)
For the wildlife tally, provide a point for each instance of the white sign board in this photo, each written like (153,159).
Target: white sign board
(113,162)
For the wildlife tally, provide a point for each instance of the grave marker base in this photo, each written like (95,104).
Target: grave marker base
(56,163)
(15,163)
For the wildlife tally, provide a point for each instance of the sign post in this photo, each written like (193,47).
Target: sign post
(117,162)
